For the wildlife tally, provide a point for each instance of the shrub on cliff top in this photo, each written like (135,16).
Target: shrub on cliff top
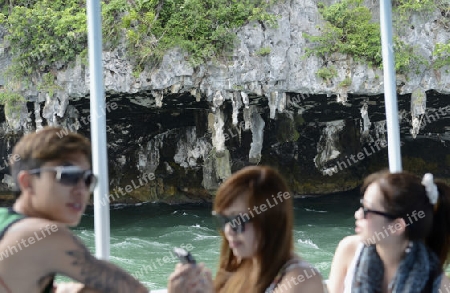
(42,32)
(45,32)
(349,29)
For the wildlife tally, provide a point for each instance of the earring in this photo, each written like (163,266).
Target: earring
(409,247)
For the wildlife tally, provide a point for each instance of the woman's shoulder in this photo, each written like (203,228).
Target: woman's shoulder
(299,266)
(300,276)
(445,283)
(301,269)
(349,245)
(296,261)
(343,261)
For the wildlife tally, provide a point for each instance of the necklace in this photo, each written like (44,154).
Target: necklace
(392,282)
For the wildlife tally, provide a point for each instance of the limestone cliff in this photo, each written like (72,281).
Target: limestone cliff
(176,132)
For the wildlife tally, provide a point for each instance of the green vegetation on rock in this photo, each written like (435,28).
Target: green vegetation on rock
(346,82)
(48,84)
(263,51)
(350,29)
(47,34)
(326,73)
(442,55)
(43,32)
(12,101)
(205,29)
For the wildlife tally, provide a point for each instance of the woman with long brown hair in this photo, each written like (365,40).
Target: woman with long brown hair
(403,238)
(255,215)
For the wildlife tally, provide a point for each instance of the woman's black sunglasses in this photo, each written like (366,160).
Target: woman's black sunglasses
(237,223)
(366,211)
(70,175)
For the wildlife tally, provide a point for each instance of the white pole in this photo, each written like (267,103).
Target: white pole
(98,129)
(390,93)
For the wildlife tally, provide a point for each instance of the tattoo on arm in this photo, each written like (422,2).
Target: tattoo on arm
(99,274)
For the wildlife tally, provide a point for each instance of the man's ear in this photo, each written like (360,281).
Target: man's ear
(25,181)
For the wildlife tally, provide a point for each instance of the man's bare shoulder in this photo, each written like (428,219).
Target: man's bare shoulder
(33,222)
(32,246)
(36,234)
(35,227)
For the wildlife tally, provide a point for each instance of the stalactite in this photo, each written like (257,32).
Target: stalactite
(418,108)
(237,104)
(158,98)
(365,119)
(257,128)
(327,148)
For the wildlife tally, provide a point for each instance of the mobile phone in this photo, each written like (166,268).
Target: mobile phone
(184,256)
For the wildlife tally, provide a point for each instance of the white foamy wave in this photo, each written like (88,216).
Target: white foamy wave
(121,259)
(85,233)
(127,245)
(185,214)
(152,244)
(308,242)
(316,211)
(203,237)
(198,226)
(133,242)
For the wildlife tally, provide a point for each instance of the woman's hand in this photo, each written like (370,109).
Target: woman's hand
(204,282)
(188,278)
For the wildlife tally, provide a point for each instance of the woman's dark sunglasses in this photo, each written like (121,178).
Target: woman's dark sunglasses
(366,211)
(237,223)
(70,175)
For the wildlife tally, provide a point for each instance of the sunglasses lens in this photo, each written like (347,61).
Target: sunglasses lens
(90,181)
(236,224)
(71,177)
(220,222)
(239,228)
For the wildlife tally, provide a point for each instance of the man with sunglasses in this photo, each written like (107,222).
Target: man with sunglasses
(53,181)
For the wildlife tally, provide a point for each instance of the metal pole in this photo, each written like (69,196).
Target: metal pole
(390,94)
(98,129)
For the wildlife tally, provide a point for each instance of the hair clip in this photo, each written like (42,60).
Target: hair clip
(430,188)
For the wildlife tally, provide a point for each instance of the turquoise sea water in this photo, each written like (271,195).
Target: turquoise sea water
(143,236)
